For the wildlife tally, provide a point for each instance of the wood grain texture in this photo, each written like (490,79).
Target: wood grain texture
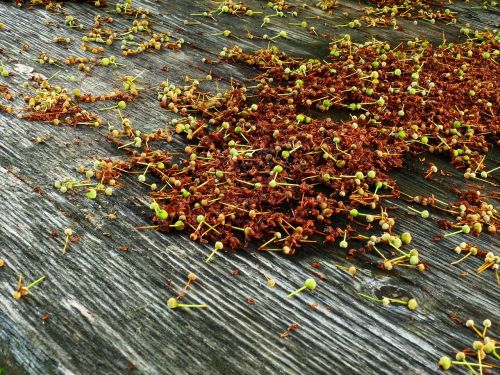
(107,307)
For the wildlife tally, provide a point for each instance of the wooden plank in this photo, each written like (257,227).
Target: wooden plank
(107,308)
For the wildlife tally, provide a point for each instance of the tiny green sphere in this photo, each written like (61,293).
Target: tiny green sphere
(310,284)
(105,61)
(412,304)
(258,185)
(343,244)
(200,218)
(359,175)
(445,363)
(219,174)
(354,212)
(397,72)
(414,260)
(460,356)
(371,174)
(108,191)
(465,229)
(141,178)
(413,252)
(424,214)
(273,184)
(179,225)
(406,237)
(92,194)
(172,303)
(285,154)
(396,242)
(121,105)
(278,169)
(489,347)
(477,345)
(160,165)
(162,214)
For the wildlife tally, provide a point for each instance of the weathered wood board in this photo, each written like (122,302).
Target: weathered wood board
(106,308)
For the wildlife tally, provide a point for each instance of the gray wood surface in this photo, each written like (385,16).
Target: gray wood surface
(107,308)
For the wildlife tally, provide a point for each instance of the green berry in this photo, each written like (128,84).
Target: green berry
(412,305)
(406,238)
(162,214)
(179,225)
(92,194)
(445,363)
(172,303)
(278,169)
(310,284)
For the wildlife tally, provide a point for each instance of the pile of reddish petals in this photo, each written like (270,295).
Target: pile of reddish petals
(265,166)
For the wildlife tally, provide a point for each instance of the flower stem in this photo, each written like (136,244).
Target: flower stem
(297,291)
